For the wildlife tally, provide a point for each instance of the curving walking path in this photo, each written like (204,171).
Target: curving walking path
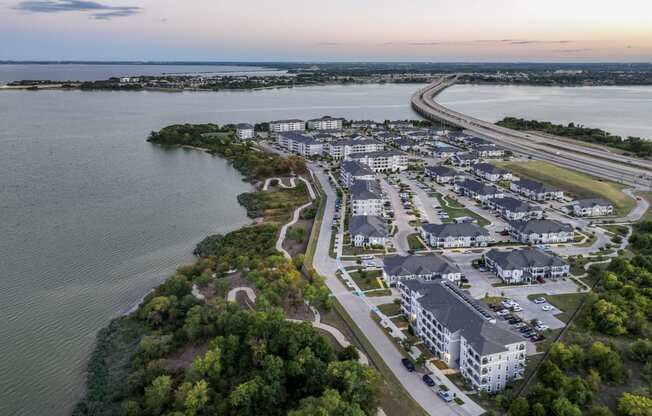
(316,323)
(297,212)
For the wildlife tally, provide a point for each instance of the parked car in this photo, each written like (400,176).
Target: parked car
(537,338)
(446,395)
(539,300)
(428,380)
(502,312)
(517,308)
(525,329)
(541,327)
(408,365)
(541,279)
(547,308)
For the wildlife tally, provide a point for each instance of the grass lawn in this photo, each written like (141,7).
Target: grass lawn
(414,242)
(648,197)
(567,303)
(390,309)
(577,184)
(455,210)
(400,322)
(367,280)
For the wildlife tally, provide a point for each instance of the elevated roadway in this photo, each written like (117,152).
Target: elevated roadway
(614,167)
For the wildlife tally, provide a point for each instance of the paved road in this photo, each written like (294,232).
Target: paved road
(634,172)
(359,309)
(401,218)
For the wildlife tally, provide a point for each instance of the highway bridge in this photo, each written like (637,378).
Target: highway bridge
(600,163)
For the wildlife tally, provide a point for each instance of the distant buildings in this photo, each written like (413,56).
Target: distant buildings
(366,198)
(525,265)
(541,232)
(594,207)
(463,333)
(426,267)
(455,235)
(344,148)
(351,171)
(465,160)
(536,190)
(279,126)
(244,131)
(325,123)
(370,230)
(382,161)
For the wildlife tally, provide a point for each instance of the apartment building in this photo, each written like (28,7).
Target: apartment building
(594,207)
(279,126)
(514,209)
(442,174)
(541,231)
(523,266)
(465,160)
(382,161)
(491,173)
(425,267)
(477,190)
(300,144)
(350,171)
(366,198)
(536,191)
(455,235)
(326,123)
(244,131)
(463,333)
(368,231)
(343,148)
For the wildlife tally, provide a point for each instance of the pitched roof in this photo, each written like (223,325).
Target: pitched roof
(467,156)
(441,171)
(368,226)
(366,189)
(457,311)
(354,168)
(540,226)
(592,202)
(418,265)
(515,205)
(524,258)
(535,186)
(489,168)
(243,126)
(455,230)
(479,187)
(380,153)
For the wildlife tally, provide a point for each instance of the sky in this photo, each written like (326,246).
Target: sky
(334,30)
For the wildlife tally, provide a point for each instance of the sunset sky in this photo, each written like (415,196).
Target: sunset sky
(407,30)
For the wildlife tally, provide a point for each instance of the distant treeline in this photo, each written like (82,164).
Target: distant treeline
(632,145)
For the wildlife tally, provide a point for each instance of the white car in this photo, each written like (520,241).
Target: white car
(547,308)
(502,312)
(539,300)
(541,327)
(517,308)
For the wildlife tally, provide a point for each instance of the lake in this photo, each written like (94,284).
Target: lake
(619,110)
(92,216)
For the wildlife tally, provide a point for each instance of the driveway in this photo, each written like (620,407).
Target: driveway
(401,218)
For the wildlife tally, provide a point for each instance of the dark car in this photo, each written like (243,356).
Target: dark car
(408,365)
(537,338)
(525,329)
(514,321)
(428,380)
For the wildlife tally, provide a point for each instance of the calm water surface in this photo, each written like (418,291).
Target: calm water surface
(92,216)
(626,111)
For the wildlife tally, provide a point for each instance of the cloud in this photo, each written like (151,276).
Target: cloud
(529,42)
(423,43)
(329,44)
(97,10)
(574,50)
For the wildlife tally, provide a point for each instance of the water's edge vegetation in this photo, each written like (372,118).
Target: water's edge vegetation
(178,354)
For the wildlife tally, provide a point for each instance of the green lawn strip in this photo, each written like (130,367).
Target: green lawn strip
(366,279)
(414,242)
(579,185)
(456,210)
(316,227)
(378,292)
(390,309)
(400,322)
(395,399)
(648,197)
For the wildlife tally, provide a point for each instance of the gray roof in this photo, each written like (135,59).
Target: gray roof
(489,168)
(405,142)
(243,126)
(380,153)
(354,168)
(298,137)
(441,171)
(524,258)
(368,226)
(366,189)
(455,230)
(535,186)
(353,142)
(479,187)
(327,118)
(540,226)
(457,311)
(418,265)
(479,141)
(515,205)
(592,202)
(292,120)
(467,156)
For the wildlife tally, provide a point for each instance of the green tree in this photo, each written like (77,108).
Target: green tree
(357,383)
(634,405)
(157,395)
(563,407)
(197,398)
(519,407)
